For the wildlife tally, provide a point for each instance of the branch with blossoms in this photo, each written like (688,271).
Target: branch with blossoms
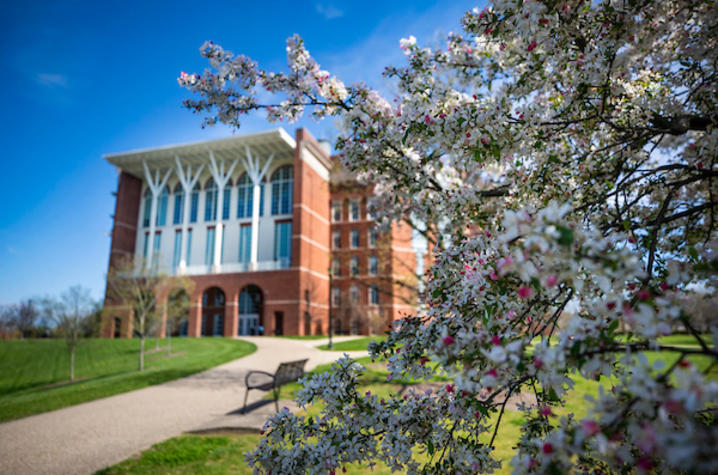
(565,155)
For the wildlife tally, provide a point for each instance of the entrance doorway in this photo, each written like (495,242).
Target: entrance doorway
(213,312)
(250,311)
(279,323)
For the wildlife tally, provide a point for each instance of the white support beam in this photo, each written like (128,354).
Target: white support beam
(156,185)
(251,164)
(220,178)
(188,180)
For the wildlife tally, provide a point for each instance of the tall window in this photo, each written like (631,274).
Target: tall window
(373,265)
(337,239)
(282,185)
(370,214)
(336,267)
(209,247)
(354,210)
(374,295)
(145,245)
(189,246)
(372,237)
(178,214)
(336,211)
(336,295)
(147,208)
(354,293)
(177,252)
(283,243)
(226,201)
(354,235)
(210,201)
(245,197)
(156,245)
(245,242)
(194,203)
(162,203)
(354,266)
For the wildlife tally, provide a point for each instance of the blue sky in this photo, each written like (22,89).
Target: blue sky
(85,78)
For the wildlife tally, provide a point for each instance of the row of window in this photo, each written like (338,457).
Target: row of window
(353,210)
(372,295)
(372,266)
(354,238)
(282,245)
(282,183)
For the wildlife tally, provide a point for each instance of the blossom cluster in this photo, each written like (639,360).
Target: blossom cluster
(561,158)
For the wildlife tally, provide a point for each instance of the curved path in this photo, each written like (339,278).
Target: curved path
(93,435)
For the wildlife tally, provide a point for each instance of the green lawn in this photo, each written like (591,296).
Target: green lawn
(33,372)
(225,453)
(353,345)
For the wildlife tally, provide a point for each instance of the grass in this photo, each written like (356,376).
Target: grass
(359,344)
(32,371)
(225,453)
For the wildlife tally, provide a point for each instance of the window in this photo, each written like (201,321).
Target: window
(336,267)
(161,218)
(209,247)
(194,204)
(147,208)
(178,215)
(374,295)
(354,241)
(336,211)
(189,246)
(336,296)
(370,214)
(245,197)
(226,201)
(283,243)
(337,240)
(145,245)
(210,201)
(245,243)
(373,265)
(354,293)
(354,266)
(177,253)
(354,210)
(372,237)
(156,244)
(282,184)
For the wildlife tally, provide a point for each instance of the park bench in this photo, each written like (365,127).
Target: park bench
(286,373)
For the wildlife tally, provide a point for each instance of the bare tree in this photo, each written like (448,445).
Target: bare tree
(70,313)
(24,317)
(178,304)
(134,287)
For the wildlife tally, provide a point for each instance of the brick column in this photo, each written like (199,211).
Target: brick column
(231,313)
(194,327)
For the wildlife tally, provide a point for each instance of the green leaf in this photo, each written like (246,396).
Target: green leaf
(566,236)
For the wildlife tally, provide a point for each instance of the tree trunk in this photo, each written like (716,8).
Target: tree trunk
(142,353)
(72,363)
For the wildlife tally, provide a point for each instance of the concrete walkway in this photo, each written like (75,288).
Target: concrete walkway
(91,436)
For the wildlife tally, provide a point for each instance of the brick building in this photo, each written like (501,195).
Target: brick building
(263,224)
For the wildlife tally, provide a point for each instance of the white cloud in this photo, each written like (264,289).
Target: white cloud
(51,80)
(329,11)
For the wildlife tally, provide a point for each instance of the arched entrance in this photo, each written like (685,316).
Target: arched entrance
(250,311)
(213,312)
(178,304)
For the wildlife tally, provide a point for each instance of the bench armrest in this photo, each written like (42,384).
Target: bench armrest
(252,373)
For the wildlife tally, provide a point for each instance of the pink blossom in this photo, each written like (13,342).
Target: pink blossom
(496,340)
(493,276)
(590,427)
(492,372)
(525,292)
(531,46)
(448,339)
(551,280)
(547,448)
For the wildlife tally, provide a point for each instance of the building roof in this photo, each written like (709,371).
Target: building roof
(261,144)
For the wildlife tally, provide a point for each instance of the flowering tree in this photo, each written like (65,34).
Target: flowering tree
(570,149)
